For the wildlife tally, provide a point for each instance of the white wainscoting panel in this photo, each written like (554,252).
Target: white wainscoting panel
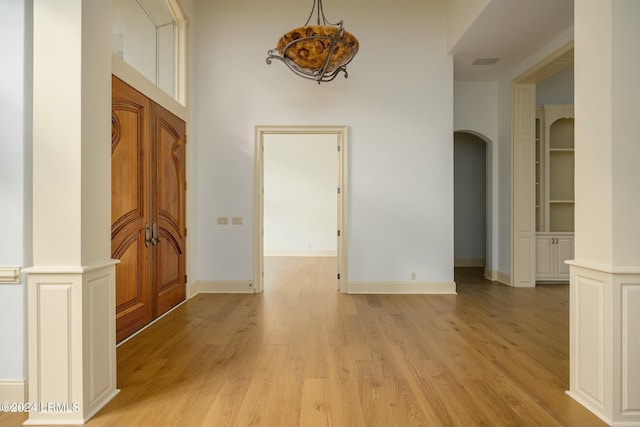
(631,349)
(604,341)
(590,338)
(100,335)
(55,320)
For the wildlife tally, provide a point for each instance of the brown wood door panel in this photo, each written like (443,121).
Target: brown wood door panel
(130,207)
(168,131)
(147,185)
(169,273)
(133,305)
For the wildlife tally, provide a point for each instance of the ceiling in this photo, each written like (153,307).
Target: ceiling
(511,30)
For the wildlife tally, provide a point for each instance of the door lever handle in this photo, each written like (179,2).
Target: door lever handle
(154,234)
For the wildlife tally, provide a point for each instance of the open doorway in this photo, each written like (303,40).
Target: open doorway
(301,190)
(470,201)
(523,165)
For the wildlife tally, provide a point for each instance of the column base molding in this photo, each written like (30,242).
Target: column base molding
(604,348)
(72,343)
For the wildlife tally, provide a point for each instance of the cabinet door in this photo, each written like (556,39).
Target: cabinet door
(544,258)
(564,252)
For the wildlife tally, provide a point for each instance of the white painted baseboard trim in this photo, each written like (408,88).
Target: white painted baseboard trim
(150,323)
(14,391)
(302,252)
(595,409)
(220,287)
(498,276)
(469,262)
(402,288)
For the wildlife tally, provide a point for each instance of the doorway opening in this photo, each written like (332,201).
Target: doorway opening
(470,201)
(300,199)
(523,161)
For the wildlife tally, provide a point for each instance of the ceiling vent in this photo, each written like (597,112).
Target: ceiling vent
(485,61)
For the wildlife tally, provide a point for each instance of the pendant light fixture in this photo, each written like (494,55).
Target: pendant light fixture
(316,52)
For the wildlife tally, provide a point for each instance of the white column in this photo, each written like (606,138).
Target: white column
(71,286)
(605,276)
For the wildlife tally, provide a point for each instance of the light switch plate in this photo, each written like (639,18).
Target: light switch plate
(223,220)
(236,220)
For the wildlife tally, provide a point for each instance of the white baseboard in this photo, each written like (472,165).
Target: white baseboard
(14,391)
(469,262)
(594,409)
(220,287)
(402,288)
(302,252)
(498,276)
(504,278)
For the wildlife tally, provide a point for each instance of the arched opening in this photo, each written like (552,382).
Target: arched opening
(469,200)
(473,210)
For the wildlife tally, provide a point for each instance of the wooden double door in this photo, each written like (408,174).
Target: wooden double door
(148,209)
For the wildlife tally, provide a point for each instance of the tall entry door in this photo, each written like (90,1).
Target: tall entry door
(147,208)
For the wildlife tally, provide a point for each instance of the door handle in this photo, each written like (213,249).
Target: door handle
(147,235)
(154,234)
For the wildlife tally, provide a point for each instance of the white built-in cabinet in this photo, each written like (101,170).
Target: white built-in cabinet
(554,191)
(551,252)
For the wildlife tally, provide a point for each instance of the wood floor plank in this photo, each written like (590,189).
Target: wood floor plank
(304,354)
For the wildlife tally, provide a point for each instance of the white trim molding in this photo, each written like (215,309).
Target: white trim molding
(341,133)
(301,253)
(220,287)
(14,391)
(604,345)
(412,287)
(498,276)
(469,262)
(9,274)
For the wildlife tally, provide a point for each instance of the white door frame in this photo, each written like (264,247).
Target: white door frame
(523,115)
(342,194)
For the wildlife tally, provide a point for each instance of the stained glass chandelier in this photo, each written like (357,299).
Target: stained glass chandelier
(316,52)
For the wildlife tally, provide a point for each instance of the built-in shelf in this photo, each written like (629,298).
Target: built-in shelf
(555,169)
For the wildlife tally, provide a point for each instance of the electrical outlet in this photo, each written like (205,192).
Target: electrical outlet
(223,220)
(413,276)
(236,220)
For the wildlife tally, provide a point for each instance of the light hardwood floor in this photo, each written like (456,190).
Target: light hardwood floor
(304,354)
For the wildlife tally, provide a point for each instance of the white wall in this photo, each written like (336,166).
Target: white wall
(399,112)
(300,194)
(470,198)
(557,89)
(15,182)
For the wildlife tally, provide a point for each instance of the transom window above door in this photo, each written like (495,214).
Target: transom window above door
(149,35)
